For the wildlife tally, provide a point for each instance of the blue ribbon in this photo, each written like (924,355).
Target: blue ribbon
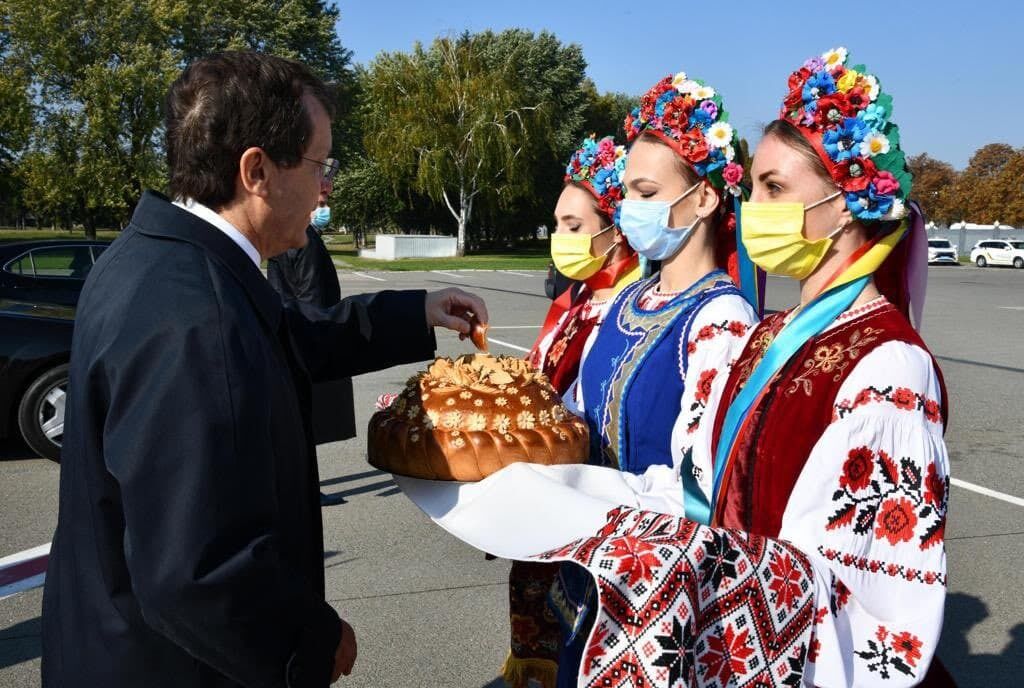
(808,323)
(748,272)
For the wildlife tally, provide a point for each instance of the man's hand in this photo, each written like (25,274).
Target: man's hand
(455,309)
(345,655)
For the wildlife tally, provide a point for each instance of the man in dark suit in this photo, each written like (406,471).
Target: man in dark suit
(189,544)
(307,279)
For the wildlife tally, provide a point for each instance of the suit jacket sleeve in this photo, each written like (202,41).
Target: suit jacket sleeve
(187,438)
(363,333)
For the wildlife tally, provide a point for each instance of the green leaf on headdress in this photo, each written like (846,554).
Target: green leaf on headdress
(723,116)
(892,132)
(884,101)
(861,69)
(891,161)
(715,177)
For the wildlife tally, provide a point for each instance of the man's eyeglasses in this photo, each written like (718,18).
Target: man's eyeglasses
(328,167)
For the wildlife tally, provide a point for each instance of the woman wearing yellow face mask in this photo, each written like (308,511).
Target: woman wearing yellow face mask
(588,247)
(829,434)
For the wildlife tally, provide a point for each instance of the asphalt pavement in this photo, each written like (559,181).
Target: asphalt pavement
(430,611)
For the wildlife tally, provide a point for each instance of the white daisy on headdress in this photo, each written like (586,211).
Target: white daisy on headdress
(687,86)
(704,92)
(729,152)
(872,86)
(874,144)
(719,134)
(679,78)
(834,57)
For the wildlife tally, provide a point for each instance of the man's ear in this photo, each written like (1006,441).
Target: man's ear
(255,170)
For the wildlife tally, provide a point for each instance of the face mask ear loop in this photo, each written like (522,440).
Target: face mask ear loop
(837,230)
(686,193)
(814,205)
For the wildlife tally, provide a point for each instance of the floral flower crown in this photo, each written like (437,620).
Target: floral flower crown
(598,166)
(688,115)
(844,114)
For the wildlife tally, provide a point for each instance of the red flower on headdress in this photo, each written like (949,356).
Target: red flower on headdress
(854,174)
(677,113)
(694,146)
(857,99)
(798,78)
(832,109)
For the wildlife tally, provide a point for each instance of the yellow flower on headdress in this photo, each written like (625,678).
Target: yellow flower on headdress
(848,80)
(834,57)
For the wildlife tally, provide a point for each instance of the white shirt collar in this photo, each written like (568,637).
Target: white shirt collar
(209,215)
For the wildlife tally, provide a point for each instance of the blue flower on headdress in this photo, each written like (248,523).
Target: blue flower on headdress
(715,161)
(842,142)
(700,119)
(600,180)
(875,116)
(869,204)
(820,84)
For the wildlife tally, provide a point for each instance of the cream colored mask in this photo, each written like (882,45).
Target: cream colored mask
(572,256)
(773,234)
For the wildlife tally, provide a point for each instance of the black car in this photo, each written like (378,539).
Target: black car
(40,282)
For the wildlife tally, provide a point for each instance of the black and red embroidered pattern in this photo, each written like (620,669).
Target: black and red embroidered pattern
(887,651)
(681,602)
(887,568)
(712,330)
(902,398)
(897,501)
(700,398)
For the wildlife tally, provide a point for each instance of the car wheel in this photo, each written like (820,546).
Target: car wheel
(981,262)
(1018,263)
(41,412)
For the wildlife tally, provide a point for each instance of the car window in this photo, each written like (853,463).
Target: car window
(97,251)
(21,266)
(939,243)
(1019,245)
(62,261)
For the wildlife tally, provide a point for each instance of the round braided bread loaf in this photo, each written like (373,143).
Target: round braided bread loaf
(464,419)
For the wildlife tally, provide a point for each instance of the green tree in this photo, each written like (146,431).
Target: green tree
(101,69)
(361,202)
(934,187)
(605,112)
(456,125)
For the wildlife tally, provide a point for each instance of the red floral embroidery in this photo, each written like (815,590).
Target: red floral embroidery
(908,645)
(726,654)
(896,521)
(840,596)
(934,487)
(901,654)
(857,469)
(902,398)
(636,558)
(878,566)
(812,653)
(893,499)
(737,329)
(785,582)
(704,385)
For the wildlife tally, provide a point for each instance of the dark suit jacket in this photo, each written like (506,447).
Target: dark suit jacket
(307,279)
(189,545)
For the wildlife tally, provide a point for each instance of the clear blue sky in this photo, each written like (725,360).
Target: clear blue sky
(953,68)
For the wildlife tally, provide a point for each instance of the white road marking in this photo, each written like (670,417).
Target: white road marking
(511,346)
(1011,308)
(446,274)
(519,274)
(1010,499)
(363,274)
(19,557)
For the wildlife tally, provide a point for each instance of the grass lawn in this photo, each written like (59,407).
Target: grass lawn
(8,234)
(346,256)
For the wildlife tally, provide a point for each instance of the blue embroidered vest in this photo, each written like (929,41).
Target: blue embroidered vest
(632,378)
